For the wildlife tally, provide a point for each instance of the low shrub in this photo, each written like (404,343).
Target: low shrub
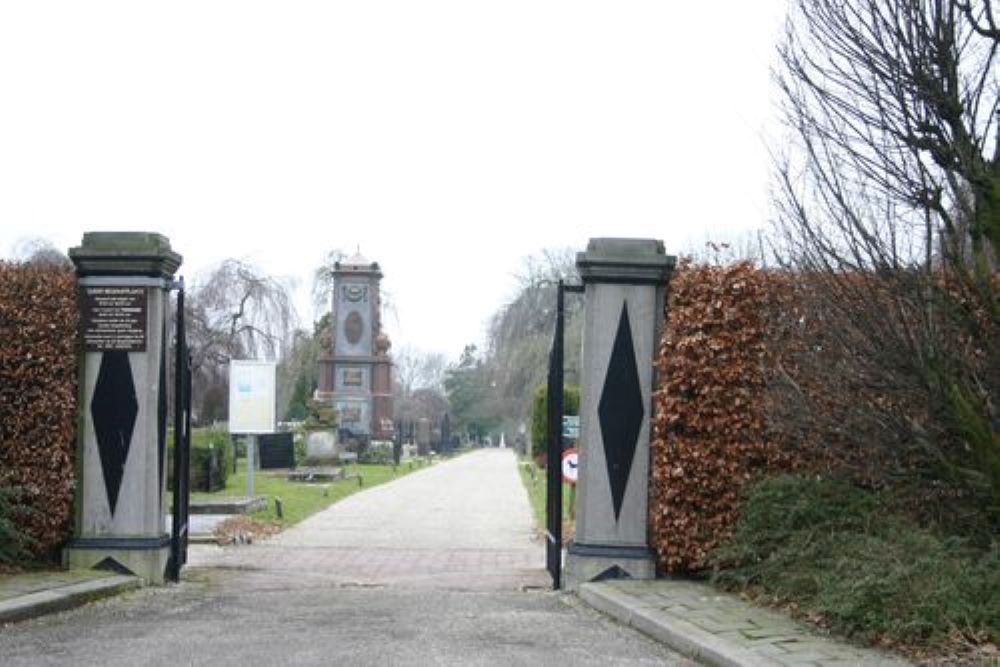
(540,418)
(211,459)
(15,543)
(299,443)
(839,555)
(380,455)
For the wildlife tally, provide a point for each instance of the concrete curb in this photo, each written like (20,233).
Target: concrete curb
(685,638)
(65,597)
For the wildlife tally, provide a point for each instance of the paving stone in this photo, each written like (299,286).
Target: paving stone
(721,629)
(711,623)
(776,650)
(810,656)
(772,633)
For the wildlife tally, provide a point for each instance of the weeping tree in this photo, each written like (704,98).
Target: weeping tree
(520,333)
(888,205)
(236,312)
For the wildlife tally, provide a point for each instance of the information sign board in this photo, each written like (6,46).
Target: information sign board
(570,429)
(252,396)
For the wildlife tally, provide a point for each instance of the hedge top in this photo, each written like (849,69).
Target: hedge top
(633,261)
(125,253)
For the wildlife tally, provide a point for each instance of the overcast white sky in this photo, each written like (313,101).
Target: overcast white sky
(447,139)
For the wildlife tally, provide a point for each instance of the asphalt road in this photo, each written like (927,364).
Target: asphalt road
(438,568)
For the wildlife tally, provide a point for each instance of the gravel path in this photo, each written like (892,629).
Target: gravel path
(462,524)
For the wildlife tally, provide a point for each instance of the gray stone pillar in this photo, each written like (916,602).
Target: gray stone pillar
(624,283)
(123,281)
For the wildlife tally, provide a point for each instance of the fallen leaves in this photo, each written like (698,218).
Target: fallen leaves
(244,530)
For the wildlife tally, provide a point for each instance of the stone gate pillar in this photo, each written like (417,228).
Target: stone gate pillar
(624,282)
(123,293)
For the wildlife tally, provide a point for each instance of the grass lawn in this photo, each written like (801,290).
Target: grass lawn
(536,494)
(302,499)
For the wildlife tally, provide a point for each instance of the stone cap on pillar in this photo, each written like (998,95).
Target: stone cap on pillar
(125,254)
(627,261)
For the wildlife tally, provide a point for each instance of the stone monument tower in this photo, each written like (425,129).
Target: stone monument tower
(355,369)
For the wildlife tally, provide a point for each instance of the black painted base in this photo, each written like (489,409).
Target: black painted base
(123,543)
(609,551)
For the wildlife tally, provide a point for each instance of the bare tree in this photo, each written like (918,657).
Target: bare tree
(752,246)
(37,250)
(238,311)
(520,333)
(549,265)
(322,286)
(415,369)
(888,202)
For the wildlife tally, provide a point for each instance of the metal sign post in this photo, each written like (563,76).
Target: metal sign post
(251,463)
(252,405)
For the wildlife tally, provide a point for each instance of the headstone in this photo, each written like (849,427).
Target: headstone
(624,282)
(321,446)
(424,436)
(277,450)
(124,280)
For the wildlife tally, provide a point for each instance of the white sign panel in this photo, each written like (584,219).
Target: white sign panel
(252,396)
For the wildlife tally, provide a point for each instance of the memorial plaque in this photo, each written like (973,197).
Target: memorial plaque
(350,415)
(353,377)
(113,318)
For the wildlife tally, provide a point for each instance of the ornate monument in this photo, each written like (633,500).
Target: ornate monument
(355,369)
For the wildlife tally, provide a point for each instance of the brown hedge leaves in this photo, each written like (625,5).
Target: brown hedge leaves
(708,430)
(38,378)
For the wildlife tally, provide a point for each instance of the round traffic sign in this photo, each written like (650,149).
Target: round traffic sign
(570,463)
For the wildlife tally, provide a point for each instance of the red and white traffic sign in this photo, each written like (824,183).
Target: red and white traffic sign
(570,463)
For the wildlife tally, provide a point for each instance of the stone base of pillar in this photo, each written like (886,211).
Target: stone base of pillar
(144,557)
(595,562)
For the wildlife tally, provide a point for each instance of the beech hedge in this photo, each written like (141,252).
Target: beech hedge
(38,395)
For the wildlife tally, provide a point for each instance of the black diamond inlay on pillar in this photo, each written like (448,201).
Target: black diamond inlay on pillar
(114,409)
(620,411)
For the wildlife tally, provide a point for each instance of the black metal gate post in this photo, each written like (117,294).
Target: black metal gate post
(553,466)
(182,445)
